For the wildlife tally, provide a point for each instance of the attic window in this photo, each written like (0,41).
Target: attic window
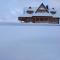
(30,12)
(53,12)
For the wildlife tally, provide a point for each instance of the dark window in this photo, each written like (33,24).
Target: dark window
(41,19)
(53,12)
(37,18)
(46,19)
(30,12)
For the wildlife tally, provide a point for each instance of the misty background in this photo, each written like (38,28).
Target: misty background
(11,9)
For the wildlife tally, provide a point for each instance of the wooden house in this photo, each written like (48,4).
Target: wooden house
(41,14)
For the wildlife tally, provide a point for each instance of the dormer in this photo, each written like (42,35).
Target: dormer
(53,11)
(30,11)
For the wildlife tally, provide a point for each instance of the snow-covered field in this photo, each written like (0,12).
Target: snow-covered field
(29,42)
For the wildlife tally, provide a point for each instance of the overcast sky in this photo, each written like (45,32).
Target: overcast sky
(11,9)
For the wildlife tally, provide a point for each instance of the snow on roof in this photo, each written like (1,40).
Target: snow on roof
(56,15)
(26,15)
(46,14)
(42,14)
(39,14)
(33,8)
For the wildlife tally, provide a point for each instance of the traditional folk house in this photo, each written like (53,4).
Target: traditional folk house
(42,14)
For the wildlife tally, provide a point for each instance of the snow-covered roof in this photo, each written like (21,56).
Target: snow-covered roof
(56,15)
(26,15)
(42,14)
(46,14)
(34,9)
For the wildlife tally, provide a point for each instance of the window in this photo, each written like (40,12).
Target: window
(30,12)
(41,19)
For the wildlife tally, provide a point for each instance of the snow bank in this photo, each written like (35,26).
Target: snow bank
(29,42)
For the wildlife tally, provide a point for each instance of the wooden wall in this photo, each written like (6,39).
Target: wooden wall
(40,19)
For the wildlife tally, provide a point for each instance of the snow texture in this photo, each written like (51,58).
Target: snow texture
(29,42)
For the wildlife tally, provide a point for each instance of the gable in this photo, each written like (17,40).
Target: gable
(42,8)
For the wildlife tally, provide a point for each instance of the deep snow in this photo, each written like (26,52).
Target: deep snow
(29,42)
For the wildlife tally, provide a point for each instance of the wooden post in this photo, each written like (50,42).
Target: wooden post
(35,19)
